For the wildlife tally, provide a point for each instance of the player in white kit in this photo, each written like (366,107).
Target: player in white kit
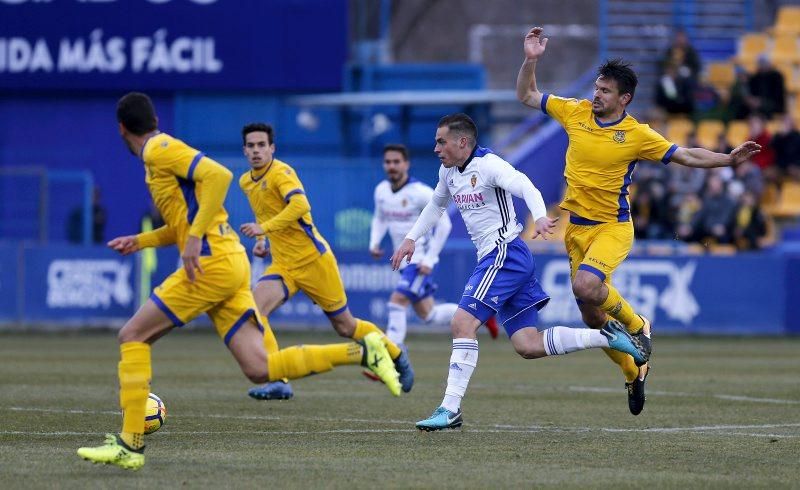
(481,184)
(398,201)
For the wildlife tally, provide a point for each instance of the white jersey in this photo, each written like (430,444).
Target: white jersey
(481,190)
(397,211)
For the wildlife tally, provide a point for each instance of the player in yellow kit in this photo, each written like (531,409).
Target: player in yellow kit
(301,258)
(189,189)
(605,142)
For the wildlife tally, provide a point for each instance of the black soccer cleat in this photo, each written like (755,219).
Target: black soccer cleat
(636,395)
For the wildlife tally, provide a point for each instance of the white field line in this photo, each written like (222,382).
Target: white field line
(487,428)
(734,398)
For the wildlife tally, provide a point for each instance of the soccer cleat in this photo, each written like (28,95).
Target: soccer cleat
(619,339)
(377,359)
(114,451)
(440,419)
(403,366)
(643,339)
(276,390)
(491,326)
(636,396)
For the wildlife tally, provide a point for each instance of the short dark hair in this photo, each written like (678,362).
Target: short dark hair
(258,127)
(620,71)
(398,148)
(137,113)
(460,123)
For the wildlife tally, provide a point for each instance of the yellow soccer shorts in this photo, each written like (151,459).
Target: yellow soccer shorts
(222,291)
(319,279)
(598,248)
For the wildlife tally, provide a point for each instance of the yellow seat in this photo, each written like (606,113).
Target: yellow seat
(785,49)
(788,205)
(737,133)
(788,20)
(708,133)
(722,249)
(790,78)
(678,130)
(751,46)
(720,75)
(775,126)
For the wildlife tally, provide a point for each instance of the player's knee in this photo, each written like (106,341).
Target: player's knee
(594,318)
(129,333)
(585,288)
(343,327)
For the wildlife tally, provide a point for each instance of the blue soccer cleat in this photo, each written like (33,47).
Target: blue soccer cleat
(440,419)
(619,339)
(403,366)
(276,390)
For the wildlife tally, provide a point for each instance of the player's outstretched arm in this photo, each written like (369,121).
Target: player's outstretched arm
(702,158)
(159,237)
(527,91)
(404,251)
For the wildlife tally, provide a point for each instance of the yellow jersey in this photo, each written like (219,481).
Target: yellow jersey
(279,203)
(601,158)
(177,176)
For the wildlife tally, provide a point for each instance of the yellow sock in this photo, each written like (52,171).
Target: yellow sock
(625,362)
(302,360)
(134,386)
(364,327)
(616,306)
(270,342)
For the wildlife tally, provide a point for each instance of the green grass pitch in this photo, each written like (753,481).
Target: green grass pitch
(721,413)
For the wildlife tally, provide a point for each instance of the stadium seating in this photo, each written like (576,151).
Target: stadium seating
(720,75)
(737,133)
(784,49)
(708,132)
(788,204)
(788,20)
(678,130)
(751,45)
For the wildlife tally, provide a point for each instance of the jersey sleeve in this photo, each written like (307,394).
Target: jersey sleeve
(288,183)
(655,147)
(559,108)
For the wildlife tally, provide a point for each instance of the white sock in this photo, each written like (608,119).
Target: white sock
(441,314)
(563,340)
(397,328)
(462,364)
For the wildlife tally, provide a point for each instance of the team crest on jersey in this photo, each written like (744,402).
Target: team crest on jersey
(289,172)
(619,136)
(264,185)
(473,180)
(405,201)
(451,183)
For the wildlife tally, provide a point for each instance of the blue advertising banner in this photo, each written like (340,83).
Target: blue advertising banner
(172,44)
(9,282)
(731,295)
(77,284)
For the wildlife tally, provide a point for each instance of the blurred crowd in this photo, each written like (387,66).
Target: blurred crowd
(719,206)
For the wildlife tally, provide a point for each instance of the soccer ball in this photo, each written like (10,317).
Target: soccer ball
(155,414)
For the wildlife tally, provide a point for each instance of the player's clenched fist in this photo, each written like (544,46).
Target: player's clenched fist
(260,249)
(251,230)
(406,249)
(125,244)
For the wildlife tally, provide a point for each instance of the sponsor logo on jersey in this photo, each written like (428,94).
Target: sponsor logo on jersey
(474,306)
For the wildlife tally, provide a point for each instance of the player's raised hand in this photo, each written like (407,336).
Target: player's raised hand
(251,230)
(125,245)
(744,152)
(544,226)
(404,251)
(191,257)
(534,44)
(260,249)
(376,253)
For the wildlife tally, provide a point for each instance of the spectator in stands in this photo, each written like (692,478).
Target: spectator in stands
(715,218)
(683,55)
(750,176)
(651,217)
(759,134)
(674,92)
(786,144)
(685,212)
(768,89)
(740,100)
(75,221)
(750,224)
(682,180)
